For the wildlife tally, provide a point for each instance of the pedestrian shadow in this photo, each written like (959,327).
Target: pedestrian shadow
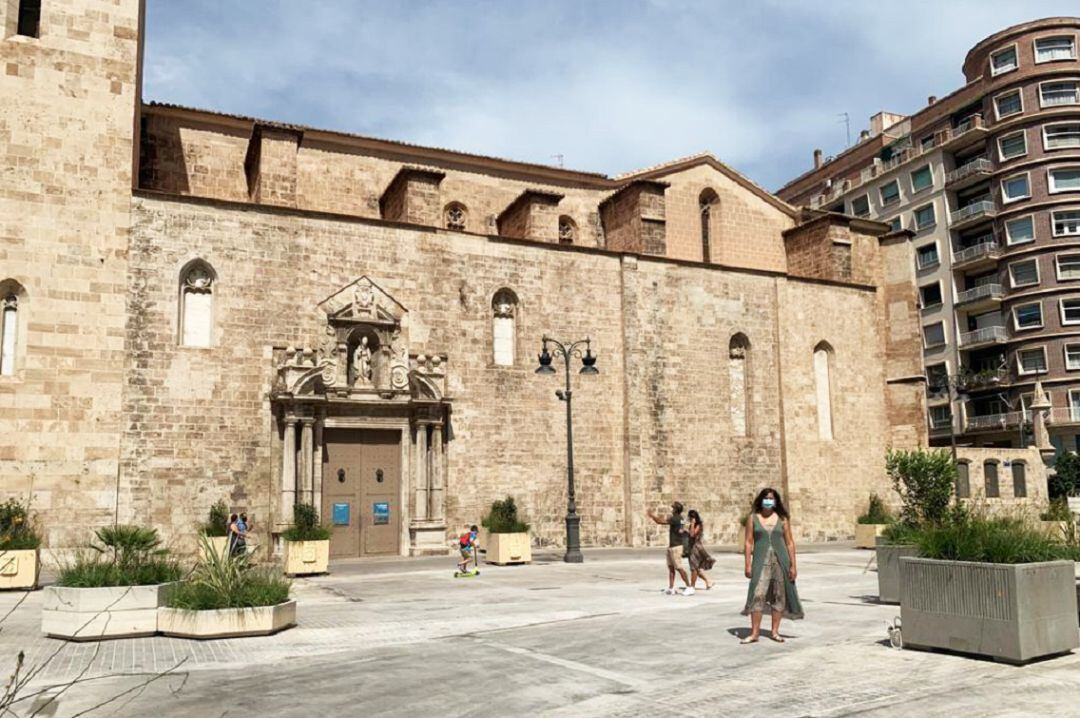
(743,631)
(871,599)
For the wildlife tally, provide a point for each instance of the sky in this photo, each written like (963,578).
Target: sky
(604,86)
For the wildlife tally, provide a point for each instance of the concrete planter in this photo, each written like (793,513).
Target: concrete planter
(509,548)
(19,569)
(218,544)
(91,614)
(303,558)
(227,622)
(1009,612)
(888,569)
(866,534)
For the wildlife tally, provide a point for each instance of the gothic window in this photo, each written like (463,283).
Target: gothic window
(823,360)
(567,230)
(504,308)
(1019,474)
(963,480)
(709,205)
(9,328)
(197,305)
(990,476)
(454,216)
(738,359)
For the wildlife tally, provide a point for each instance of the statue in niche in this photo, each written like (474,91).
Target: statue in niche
(363,299)
(362,362)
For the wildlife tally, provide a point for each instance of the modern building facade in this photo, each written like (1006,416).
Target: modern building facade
(988,180)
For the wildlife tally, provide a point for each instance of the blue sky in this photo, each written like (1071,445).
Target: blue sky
(611,85)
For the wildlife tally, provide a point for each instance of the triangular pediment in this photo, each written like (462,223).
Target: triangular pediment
(363,301)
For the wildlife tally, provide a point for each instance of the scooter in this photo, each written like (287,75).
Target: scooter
(475,571)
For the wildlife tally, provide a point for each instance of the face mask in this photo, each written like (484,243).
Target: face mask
(768,503)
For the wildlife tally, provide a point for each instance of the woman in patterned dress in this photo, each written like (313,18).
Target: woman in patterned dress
(770,565)
(700,560)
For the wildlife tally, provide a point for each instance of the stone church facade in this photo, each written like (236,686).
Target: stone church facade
(209,307)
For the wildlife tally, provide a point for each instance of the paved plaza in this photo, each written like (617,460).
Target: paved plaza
(404,637)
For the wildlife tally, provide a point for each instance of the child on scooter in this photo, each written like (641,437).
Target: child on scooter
(467,545)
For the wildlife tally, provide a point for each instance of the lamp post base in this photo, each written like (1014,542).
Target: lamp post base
(573,539)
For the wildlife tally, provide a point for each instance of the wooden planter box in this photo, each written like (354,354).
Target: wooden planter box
(1009,612)
(19,569)
(91,614)
(304,558)
(888,569)
(866,534)
(508,548)
(227,622)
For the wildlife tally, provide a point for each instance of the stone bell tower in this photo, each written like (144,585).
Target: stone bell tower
(69,76)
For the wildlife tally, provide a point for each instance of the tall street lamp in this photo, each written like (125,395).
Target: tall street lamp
(588,367)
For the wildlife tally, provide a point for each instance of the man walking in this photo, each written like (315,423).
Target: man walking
(676,548)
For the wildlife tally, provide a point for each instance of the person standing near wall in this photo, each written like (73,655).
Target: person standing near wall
(677,540)
(770,565)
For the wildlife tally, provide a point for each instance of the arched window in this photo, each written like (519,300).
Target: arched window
(963,480)
(708,204)
(990,476)
(454,216)
(504,309)
(567,230)
(738,360)
(9,331)
(823,354)
(197,304)
(1019,474)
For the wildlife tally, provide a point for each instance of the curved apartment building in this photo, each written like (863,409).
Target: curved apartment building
(987,180)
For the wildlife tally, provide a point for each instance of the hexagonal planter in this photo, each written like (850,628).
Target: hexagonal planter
(866,534)
(888,569)
(1009,612)
(304,558)
(19,569)
(227,622)
(503,549)
(91,614)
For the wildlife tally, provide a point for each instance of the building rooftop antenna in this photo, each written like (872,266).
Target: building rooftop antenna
(558,158)
(847,126)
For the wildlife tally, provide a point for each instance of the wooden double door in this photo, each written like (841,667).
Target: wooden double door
(361,491)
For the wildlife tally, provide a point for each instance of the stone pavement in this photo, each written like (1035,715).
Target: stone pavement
(403,637)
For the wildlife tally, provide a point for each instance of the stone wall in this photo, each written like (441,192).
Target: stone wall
(1037,494)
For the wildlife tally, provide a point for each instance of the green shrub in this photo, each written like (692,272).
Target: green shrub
(924,480)
(306,526)
(1058,511)
(217,521)
(17,531)
(123,556)
(900,534)
(988,540)
(503,518)
(224,581)
(876,512)
(1066,478)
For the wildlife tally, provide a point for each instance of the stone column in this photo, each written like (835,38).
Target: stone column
(420,465)
(317,452)
(307,424)
(438,498)
(288,468)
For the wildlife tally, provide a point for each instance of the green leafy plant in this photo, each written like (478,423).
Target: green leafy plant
(225,581)
(123,556)
(900,534)
(1066,479)
(217,520)
(983,539)
(876,512)
(503,518)
(17,530)
(306,526)
(1058,511)
(924,480)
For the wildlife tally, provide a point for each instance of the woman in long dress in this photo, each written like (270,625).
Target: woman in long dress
(770,565)
(700,560)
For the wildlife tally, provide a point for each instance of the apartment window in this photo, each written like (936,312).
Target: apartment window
(1074,410)
(896,224)
(1049,49)
(934,335)
(1070,311)
(890,193)
(1008,104)
(1014,145)
(1064,136)
(925,217)
(927,255)
(1020,230)
(1019,476)
(1066,223)
(1024,274)
(1028,316)
(1015,188)
(1065,92)
(1065,180)
(937,377)
(930,295)
(1003,61)
(990,475)
(860,206)
(29,18)
(963,480)
(940,417)
(921,179)
(1072,356)
(1032,361)
(1068,266)
(927,143)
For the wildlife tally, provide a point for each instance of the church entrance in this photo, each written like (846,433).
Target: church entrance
(360,497)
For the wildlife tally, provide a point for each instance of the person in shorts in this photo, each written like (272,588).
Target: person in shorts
(467,545)
(677,536)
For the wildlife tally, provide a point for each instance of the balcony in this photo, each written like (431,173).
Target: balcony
(985,252)
(1064,416)
(985,379)
(996,422)
(973,213)
(987,336)
(967,133)
(968,174)
(981,297)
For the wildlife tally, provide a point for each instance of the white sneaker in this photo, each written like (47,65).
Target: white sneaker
(669,592)
(688,591)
